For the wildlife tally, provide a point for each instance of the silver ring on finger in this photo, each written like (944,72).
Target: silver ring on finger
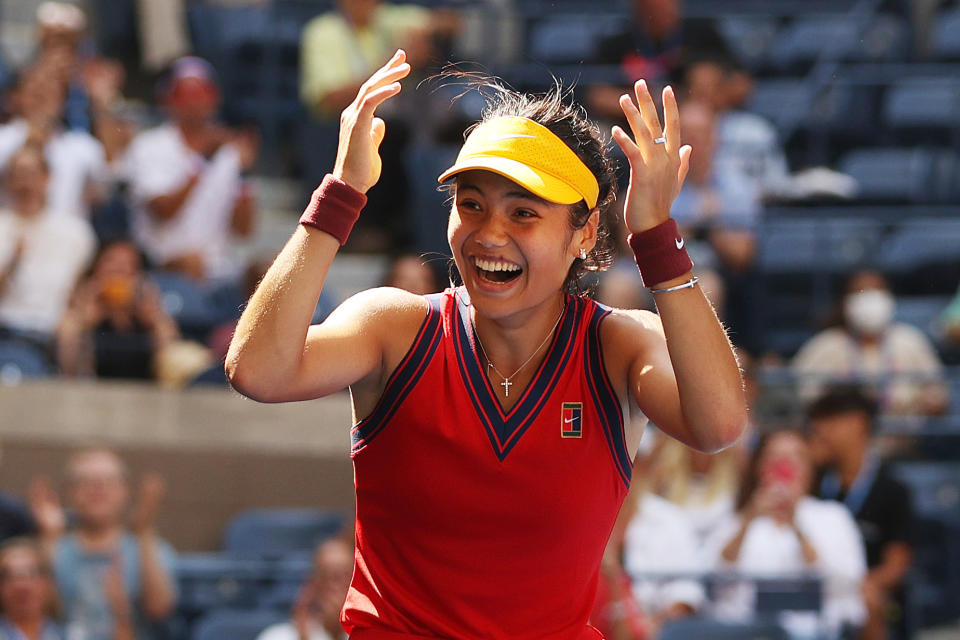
(660,140)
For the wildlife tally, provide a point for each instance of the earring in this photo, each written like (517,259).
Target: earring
(583,254)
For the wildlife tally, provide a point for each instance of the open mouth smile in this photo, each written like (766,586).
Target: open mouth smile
(496,271)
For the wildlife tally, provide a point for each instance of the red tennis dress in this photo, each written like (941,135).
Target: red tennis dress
(474,523)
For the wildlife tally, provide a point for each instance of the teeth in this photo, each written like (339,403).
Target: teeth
(495,265)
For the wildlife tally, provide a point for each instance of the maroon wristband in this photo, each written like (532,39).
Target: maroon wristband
(334,208)
(660,253)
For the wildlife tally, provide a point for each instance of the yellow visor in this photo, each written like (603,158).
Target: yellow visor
(530,155)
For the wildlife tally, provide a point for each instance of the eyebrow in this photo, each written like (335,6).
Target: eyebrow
(517,193)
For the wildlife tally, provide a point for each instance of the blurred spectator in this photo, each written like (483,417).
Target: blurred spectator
(660,539)
(653,47)
(779,530)
(867,345)
(414,274)
(316,613)
(338,51)
(27,592)
(116,321)
(185,177)
(747,148)
(78,173)
(841,423)
(42,254)
(60,31)
(703,486)
(113,581)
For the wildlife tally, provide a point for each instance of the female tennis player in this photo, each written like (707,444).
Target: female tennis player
(496,423)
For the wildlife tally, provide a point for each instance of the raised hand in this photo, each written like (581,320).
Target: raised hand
(144,514)
(657,170)
(45,506)
(358,159)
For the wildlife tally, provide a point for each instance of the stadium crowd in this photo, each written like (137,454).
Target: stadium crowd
(126,201)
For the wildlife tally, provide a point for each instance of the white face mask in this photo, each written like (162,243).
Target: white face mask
(869,312)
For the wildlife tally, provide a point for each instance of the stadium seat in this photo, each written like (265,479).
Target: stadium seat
(191,305)
(892,175)
(279,532)
(785,102)
(211,581)
(19,360)
(923,312)
(567,38)
(935,487)
(919,242)
(700,629)
(777,595)
(945,43)
(236,624)
(806,39)
(749,37)
(924,104)
(790,246)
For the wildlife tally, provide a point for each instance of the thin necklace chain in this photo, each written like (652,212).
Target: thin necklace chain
(506,384)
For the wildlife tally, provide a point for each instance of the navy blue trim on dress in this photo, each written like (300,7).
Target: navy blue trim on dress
(404,377)
(505,430)
(604,397)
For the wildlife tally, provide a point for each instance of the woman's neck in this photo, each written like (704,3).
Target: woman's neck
(509,343)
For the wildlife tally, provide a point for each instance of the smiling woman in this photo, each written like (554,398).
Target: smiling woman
(485,500)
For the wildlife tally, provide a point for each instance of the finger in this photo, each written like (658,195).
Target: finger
(376,98)
(648,109)
(377,130)
(626,144)
(641,135)
(685,152)
(395,68)
(671,120)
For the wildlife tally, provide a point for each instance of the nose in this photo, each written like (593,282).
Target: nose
(490,233)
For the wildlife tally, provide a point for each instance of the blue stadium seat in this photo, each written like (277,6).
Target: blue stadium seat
(701,629)
(235,624)
(790,246)
(279,532)
(785,102)
(210,581)
(892,175)
(749,37)
(806,39)
(946,35)
(920,242)
(19,360)
(923,103)
(566,38)
(190,304)
(935,487)
(923,312)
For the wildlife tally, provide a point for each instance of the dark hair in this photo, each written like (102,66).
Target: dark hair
(840,399)
(43,563)
(556,111)
(750,481)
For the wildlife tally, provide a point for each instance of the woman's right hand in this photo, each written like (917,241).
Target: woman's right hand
(358,160)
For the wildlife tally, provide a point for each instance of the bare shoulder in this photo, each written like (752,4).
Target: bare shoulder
(631,325)
(381,307)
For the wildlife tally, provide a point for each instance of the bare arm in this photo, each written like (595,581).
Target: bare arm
(165,207)
(275,354)
(689,382)
(157,583)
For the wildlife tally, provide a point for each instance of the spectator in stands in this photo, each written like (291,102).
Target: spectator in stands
(27,592)
(780,530)
(42,252)
(113,581)
(339,50)
(654,47)
(78,174)
(316,613)
(116,322)
(866,345)
(60,31)
(413,273)
(186,181)
(659,539)
(841,423)
(702,486)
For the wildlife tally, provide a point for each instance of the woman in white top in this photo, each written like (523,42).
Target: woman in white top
(780,530)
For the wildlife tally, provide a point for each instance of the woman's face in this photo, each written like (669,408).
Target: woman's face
(25,589)
(513,249)
(785,461)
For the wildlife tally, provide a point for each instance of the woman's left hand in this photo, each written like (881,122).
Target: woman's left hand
(657,169)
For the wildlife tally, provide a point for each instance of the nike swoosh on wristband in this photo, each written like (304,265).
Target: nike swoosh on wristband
(679,242)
